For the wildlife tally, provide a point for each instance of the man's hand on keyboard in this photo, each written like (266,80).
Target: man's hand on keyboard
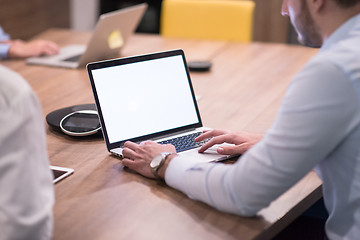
(137,157)
(242,141)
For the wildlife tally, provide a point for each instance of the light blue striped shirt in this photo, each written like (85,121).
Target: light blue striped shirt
(318,126)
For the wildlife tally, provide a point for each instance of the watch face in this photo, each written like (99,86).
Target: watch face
(156,161)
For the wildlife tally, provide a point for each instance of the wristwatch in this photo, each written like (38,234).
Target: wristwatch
(157,162)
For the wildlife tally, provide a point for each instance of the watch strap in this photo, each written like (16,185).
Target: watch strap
(156,169)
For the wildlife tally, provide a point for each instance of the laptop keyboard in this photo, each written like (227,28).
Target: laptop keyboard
(184,143)
(73,59)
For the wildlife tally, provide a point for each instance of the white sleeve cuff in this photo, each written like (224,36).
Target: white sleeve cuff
(176,171)
(177,176)
(194,178)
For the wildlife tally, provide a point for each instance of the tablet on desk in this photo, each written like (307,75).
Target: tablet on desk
(60,173)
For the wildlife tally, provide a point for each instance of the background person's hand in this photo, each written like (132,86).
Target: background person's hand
(242,141)
(22,49)
(137,157)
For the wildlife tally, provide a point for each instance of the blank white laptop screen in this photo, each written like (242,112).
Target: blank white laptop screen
(144,97)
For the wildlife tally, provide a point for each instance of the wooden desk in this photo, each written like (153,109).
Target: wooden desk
(102,201)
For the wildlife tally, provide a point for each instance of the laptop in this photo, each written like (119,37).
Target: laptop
(110,34)
(148,97)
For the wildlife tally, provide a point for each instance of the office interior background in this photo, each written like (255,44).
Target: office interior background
(24,19)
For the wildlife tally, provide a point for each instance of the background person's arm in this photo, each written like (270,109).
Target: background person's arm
(22,49)
(4,47)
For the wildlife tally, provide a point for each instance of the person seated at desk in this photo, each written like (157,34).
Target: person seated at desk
(21,49)
(26,188)
(318,126)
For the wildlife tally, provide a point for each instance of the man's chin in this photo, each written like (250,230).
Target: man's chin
(308,43)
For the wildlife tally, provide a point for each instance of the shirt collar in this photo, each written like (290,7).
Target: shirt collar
(342,32)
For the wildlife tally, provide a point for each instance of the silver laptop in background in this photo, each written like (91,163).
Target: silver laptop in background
(109,36)
(148,97)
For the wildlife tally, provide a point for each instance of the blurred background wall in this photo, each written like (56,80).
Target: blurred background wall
(26,18)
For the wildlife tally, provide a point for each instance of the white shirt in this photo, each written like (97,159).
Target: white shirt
(26,188)
(318,125)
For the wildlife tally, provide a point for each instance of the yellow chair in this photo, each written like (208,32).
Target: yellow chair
(230,20)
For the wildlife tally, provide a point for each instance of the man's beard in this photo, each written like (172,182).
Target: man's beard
(307,30)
